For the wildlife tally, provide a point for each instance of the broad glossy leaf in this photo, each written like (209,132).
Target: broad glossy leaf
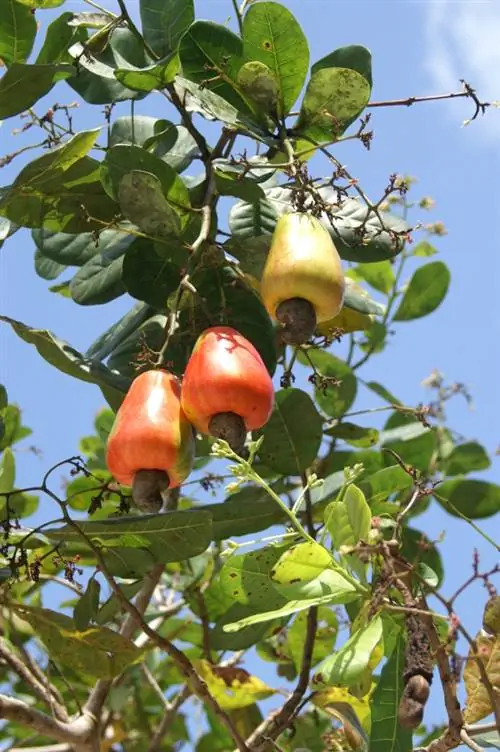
(465,458)
(212,53)
(272,35)
(100,279)
(232,687)
(117,333)
(292,436)
(96,652)
(348,663)
(148,277)
(354,56)
(75,250)
(59,37)
(472,498)
(23,85)
(359,300)
(386,733)
(425,292)
(478,703)
(142,201)
(232,184)
(301,563)
(358,512)
(124,358)
(95,80)
(380,275)
(333,98)
(333,400)
(17,32)
(65,358)
(164,22)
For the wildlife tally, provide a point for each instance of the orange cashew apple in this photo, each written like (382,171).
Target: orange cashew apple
(151,444)
(227,390)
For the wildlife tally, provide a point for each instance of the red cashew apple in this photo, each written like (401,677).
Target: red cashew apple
(151,444)
(227,390)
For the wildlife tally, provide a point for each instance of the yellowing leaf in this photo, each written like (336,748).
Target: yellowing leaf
(349,320)
(337,697)
(478,704)
(232,687)
(301,563)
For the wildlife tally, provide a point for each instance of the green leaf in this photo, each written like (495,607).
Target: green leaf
(164,22)
(124,357)
(81,491)
(4,398)
(121,160)
(490,740)
(247,511)
(87,605)
(95,79)
(333,400)
(23,85)
(271,35)
(42,4)
(358,436)
(324,640)
(386,733)
(117,333)
(20,505)
(301,563)
(466,458)
(100,279)
(425,292)
(410,440)
(173,536)
(65,358)
(382,392)
(213,54)
(333,98)
(7,471)
(354,56)
(358,512)
(75,250)
(424,249)
(148,277)
(359,300)
(13,430)
(260,86)
(246,578)
(347,665)
(60,35)
(380,275)
(292,436)
(472,498)
(113,605)
(46,268)
(156,76)
(142,201)
(97,652)
(382,484)
(417,547)
(233,184)
(17,32)
(245,638)
(60,190)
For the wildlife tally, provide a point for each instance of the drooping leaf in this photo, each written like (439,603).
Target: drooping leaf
(142,201)
(23,85)
(17,32)
(75,250)
(333,98)
(100,279)
(212,54)
(478,702)
(347,664)
(95,79)
(65,358)
(473,498)
(292,436)
(386,733)
(96,652)
(271,35)
(46,268)
(156,76)
(59,37)
(465,458)
(425,292)
(117,333)
(165,22)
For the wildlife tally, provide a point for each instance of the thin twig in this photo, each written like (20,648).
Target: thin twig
(467,92)
(171,709)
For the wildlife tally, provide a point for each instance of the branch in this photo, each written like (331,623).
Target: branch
(42,692)
(77,732)
(467,92)
(169,717)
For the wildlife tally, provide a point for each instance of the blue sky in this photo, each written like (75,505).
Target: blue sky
(418,48)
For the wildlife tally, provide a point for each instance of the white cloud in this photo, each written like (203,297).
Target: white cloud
(463,41)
